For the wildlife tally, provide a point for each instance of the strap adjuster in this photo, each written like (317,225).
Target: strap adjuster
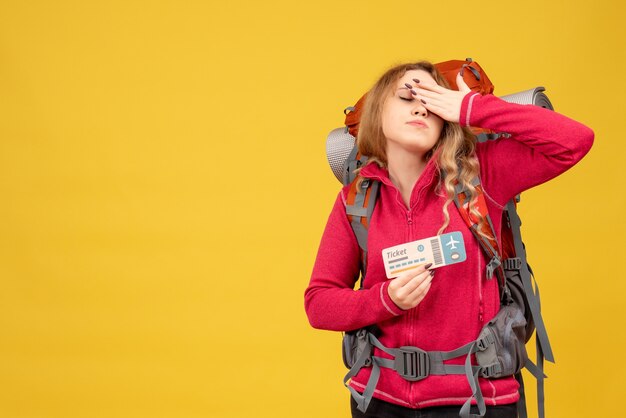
(363,335)
(493,265)
(491,370)
(412,363)
(485,342)
(514,263)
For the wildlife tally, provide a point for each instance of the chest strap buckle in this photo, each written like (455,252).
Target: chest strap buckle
(412,363)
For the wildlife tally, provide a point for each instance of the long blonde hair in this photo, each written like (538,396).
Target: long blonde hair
(457,161)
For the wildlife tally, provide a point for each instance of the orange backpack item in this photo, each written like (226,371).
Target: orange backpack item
(473,75)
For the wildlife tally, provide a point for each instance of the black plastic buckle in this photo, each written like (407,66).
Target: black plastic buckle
(412,363)
(485,342)
(514,263)
(492,370)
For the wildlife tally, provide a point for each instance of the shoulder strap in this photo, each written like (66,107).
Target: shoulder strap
(518,253)
(354,161)
(543,347)
(360,204)
(487,240)
(514,223)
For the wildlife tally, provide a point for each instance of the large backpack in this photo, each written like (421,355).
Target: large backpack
(520,308)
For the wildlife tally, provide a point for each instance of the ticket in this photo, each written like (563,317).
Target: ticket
(440,250)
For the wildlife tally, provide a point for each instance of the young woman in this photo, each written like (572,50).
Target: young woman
(414,129)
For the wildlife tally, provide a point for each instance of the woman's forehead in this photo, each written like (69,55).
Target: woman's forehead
(411,74)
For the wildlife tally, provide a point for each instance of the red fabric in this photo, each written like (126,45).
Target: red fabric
(461,299)
(449,69)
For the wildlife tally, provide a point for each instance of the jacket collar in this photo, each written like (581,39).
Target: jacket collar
(375,172)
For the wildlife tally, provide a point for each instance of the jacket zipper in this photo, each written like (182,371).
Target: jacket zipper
(411,313)
(480,290)
(411,316)
(409,221)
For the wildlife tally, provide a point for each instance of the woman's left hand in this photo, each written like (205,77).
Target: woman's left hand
(443,102)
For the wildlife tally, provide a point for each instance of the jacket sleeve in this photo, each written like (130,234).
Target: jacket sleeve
(543,144)
(330,300)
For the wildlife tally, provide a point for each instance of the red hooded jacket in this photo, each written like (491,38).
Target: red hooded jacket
(461,299)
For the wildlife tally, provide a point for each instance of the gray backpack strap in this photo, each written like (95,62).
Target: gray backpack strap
(495,262)
(531,294)
(363,400)
(472,378)
(544,349)
(413,363)
(351,164)
(484,137)
(540,380)
(358,210)
(522,412)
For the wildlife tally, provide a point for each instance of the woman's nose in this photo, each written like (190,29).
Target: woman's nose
(419,109)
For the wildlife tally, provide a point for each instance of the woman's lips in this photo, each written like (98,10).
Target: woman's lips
(422,124)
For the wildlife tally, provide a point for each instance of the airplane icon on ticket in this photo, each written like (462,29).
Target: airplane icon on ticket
(452,242)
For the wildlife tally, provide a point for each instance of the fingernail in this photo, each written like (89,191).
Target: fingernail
(432,273)
(422,100)
(408,85)
(427,266)
(416,80)
(413,91)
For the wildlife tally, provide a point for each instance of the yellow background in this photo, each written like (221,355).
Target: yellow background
(164,187)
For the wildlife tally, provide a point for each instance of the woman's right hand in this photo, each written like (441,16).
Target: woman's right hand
(408,289)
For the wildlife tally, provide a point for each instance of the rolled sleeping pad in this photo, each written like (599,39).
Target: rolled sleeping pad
(340,143)
(534,96)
